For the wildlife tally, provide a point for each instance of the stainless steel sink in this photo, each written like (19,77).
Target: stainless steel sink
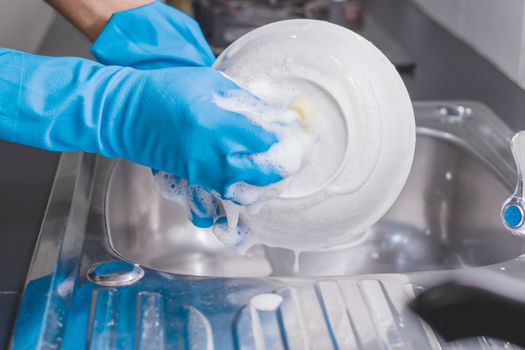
(446,217)
(117,266)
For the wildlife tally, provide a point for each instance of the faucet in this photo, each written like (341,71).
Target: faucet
(512,211)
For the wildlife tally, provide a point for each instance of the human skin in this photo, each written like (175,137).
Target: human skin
(90,16)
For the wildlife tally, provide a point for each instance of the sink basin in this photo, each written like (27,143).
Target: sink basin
(116,266)
(446,217)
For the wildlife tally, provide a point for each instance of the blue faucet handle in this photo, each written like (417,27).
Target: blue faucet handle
(512,211)
(513,215)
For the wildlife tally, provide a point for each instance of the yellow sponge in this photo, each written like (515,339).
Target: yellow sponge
(306,112)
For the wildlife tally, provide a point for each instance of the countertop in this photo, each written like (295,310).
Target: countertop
(447,69)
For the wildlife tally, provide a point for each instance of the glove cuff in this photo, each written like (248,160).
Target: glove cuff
(10,78)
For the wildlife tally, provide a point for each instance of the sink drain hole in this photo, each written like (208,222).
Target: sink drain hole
(115,273)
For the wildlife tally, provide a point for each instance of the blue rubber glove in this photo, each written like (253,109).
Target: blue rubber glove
(164,119)
(152,36)
(159,36)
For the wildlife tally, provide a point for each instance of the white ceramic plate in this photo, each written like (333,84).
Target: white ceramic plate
(367,131)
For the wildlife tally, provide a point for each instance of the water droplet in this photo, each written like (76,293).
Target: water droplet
(448,175)
(503,268)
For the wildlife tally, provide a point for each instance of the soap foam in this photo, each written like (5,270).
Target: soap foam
(292,121)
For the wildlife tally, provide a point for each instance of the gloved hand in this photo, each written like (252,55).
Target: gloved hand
(165,119)
(159,36)
(152,36)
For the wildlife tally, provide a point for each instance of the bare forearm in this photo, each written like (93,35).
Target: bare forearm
(90,16)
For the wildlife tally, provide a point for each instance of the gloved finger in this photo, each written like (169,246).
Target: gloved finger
(192,31)
(202,207)
(257,173)
(171,187)
(248,118)
(245,136)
